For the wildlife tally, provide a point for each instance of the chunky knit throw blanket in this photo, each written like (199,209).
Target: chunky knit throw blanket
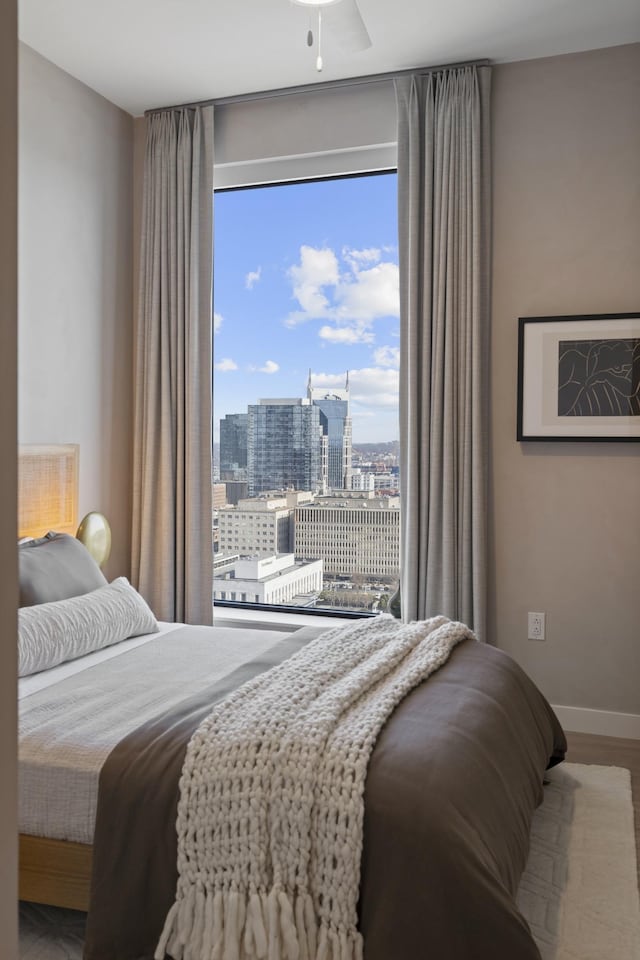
(271,804)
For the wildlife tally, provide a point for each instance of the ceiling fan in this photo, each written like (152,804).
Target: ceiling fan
(343,20)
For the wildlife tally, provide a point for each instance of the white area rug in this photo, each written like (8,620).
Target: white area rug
(579,892)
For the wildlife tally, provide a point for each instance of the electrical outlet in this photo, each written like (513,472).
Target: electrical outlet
(536,626)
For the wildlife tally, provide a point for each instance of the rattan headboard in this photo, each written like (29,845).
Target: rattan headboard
(47,489)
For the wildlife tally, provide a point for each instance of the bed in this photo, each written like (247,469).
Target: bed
(451,787)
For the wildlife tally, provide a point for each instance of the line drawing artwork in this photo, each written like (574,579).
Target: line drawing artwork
(599,378)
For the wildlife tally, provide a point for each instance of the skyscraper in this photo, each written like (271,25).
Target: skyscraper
(335,421)
(233,446)
(285,446)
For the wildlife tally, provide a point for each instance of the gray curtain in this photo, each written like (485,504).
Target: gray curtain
(171,535)
(444,248)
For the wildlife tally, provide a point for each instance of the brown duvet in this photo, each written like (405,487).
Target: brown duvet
(452,784)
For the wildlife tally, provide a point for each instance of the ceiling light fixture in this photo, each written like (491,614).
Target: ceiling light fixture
(319,4)
(345,24)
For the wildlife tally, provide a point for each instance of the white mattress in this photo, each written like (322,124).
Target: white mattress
(73,715)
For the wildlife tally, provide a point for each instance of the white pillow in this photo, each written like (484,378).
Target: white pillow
(50,633)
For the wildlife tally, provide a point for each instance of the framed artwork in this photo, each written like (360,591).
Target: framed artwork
(579,377)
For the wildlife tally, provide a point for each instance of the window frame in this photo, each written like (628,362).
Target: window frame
(251,177)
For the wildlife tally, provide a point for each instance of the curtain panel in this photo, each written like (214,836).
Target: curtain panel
(171,533)
(444,254)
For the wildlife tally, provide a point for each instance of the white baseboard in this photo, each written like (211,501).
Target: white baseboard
(603,723)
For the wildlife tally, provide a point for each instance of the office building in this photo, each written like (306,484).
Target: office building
(385,481)
(236,490)
(356,534)
(218,495)
(272,580)
(257,526)
(286,448)
(335,421)
(362,480)
(233,446)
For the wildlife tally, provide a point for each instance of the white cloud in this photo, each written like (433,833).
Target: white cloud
(252,278)
(355,258)
(387,357)
(373,387)
(370,294)
(217,322)
(270,366)
(318,268)
(348,294)
(225,365)
(346,335)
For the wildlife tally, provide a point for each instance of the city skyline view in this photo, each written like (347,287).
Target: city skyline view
(306,277)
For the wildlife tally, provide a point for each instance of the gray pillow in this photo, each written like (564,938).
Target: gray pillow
(56,567)
(51,633)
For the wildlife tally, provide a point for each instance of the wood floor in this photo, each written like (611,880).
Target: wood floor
(609,751)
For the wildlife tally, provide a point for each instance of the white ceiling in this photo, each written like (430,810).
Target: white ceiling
(148,53)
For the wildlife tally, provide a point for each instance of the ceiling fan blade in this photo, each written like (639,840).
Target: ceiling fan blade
(345,24)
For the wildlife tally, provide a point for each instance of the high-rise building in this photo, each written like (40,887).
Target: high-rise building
(233,446)
(335,421)
(285,446)
(352,534)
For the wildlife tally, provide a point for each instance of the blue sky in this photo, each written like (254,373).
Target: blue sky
(306,276)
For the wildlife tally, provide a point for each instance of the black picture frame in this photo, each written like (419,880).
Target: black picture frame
(579,378)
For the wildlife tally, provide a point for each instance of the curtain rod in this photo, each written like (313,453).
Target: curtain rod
(312,87)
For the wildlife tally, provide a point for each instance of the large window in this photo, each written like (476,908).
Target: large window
(306,357)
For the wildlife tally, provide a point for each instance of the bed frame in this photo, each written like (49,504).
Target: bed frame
(55,872)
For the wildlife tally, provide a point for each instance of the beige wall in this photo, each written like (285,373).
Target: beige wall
(566,516)
(8,574)
(75,281)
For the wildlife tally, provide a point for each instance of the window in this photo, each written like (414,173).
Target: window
(306,388)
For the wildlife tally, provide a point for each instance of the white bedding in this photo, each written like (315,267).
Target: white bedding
(40,681)
(73,715)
